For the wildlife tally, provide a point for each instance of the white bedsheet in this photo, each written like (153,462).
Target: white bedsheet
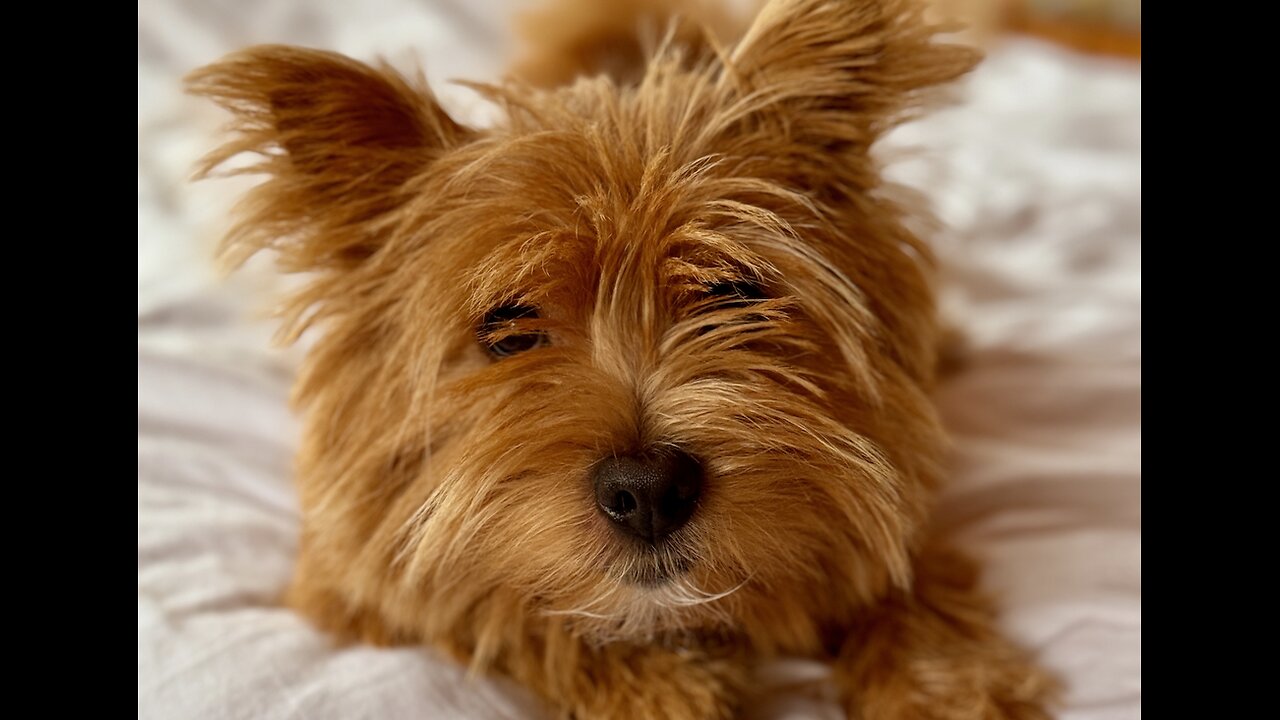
(1038,176)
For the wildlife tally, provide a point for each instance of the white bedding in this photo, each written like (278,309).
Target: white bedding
(1038,176)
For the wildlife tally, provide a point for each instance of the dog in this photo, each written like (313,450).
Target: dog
(631,391)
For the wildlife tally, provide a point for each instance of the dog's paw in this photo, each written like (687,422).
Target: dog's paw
(935,653)
(946,690)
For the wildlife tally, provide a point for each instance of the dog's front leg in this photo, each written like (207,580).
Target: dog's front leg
(934,653)
(632,682)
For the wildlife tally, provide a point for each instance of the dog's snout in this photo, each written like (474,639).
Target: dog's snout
(649,496)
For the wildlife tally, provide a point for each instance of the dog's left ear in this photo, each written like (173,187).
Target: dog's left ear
(821,79)
(337,139)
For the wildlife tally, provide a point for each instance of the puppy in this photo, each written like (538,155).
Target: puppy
(632,390)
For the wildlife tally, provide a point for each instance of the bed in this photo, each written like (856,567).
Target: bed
(1036,175)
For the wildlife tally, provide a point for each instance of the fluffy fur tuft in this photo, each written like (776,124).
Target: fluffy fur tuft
(446,491)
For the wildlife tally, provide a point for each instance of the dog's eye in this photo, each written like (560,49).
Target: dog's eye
(502,336)
(736,292)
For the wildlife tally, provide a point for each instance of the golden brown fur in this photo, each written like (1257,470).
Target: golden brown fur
(445,494)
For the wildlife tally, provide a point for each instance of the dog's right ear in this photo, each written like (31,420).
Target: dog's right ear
(820,81)
(338,140)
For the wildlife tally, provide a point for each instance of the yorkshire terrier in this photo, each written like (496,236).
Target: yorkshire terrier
(631,391)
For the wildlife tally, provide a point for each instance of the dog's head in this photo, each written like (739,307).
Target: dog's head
(642,358)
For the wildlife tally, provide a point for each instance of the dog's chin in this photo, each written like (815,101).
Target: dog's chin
(650,566)
(655,574)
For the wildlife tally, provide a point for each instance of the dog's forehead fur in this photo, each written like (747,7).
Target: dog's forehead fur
(613,190)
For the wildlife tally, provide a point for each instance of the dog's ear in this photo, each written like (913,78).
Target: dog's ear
(337,139)
(826,78)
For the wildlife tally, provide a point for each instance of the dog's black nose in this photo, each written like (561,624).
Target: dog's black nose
(649,496)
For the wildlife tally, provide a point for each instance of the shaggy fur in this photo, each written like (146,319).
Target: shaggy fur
(445,492)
